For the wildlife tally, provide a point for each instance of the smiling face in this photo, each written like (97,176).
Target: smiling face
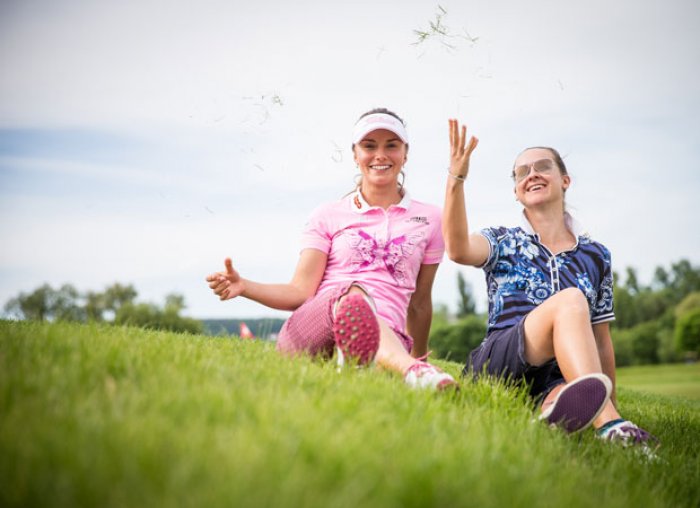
(543,181)
(380,155)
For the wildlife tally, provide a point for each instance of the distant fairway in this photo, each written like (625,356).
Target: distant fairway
(682,380)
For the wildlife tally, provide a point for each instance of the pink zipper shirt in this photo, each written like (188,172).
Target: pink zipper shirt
(382,250)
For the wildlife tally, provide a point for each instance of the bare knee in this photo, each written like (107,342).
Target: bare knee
(572,301)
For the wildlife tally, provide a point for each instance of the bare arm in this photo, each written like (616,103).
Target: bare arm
(420,310)
(606,352)
(462,247)
(307,277)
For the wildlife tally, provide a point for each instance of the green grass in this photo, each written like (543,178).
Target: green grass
(682,380)
(106,416)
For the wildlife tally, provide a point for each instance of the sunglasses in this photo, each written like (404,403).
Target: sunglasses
(540,166)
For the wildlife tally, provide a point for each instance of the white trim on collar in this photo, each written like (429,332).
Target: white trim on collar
(571,224)
(358,204)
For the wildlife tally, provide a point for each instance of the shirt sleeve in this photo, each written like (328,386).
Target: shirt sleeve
(604,308)
(491,235)
(435,249)
(316,233)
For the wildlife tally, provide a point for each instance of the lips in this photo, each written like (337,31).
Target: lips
(535,187)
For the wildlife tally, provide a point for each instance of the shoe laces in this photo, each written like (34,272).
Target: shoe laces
(420,369)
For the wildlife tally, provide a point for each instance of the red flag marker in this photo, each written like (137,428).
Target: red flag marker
(245,332)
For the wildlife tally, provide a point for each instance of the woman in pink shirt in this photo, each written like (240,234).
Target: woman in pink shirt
(363,283)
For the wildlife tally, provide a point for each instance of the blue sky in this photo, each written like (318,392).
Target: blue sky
(142,142)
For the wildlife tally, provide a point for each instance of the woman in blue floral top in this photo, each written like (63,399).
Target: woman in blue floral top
(550,295)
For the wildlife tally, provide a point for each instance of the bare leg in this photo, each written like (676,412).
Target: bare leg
(560,328)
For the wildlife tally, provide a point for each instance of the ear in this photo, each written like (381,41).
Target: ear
(566,179)
(354,154)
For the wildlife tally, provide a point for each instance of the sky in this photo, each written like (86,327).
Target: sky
(142,142)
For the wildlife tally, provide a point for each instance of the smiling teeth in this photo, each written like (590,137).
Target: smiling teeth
(380,168)
(535,187)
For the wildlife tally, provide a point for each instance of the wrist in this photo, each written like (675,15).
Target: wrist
(457,176)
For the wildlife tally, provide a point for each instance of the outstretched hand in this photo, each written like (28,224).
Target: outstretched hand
(460,150)
(227,284)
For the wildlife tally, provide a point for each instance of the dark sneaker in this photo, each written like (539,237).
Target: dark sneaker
(628,434)
(579,403)
(356,331)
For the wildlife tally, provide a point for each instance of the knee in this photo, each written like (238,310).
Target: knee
(573,300)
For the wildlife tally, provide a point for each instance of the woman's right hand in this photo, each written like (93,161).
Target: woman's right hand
(460,150)
(228,284)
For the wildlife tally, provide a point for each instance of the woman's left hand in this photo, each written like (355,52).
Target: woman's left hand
(460,150)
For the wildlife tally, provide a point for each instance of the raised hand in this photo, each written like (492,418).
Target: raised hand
(460,150)
(227,284)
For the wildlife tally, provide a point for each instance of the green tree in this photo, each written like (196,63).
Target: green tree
(456,341)
(116,304)
(95,306)
(690,302)
(685,278)
(117,295)
(661,278)
(47,304)
(622,343)
(632,282)
(645,345)
(465,305)
(626,312)
(688,332)
(638,345)
(148,315)
(441,316)
(174,303)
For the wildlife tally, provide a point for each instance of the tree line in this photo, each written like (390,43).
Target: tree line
(654,323)
(116,304)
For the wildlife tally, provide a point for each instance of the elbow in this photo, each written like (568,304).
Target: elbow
(453,253)
(458,257)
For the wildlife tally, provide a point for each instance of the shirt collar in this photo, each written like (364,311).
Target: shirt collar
(571,224)
(359,205)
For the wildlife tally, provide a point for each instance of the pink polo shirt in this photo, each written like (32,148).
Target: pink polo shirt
(382,250)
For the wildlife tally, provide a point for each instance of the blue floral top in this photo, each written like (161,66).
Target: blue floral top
(521,273)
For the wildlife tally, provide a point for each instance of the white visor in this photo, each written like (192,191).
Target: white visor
(377,121)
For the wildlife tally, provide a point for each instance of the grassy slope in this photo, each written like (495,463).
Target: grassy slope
(676,380)
(100,416)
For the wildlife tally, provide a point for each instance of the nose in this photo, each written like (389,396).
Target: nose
(379,154)
(530,170)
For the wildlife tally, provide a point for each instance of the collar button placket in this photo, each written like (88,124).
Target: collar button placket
(553,273)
